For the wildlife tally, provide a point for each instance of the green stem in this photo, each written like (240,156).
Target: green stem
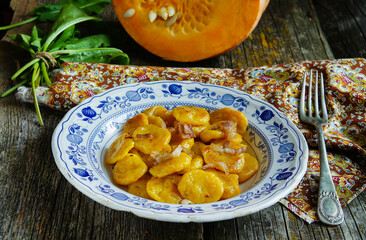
(73,51)
(14,88)
(45,74)
(26,66)
(18,24)
(36,74)
(64,26)
(35,97)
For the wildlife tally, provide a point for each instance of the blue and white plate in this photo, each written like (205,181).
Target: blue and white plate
(80,141)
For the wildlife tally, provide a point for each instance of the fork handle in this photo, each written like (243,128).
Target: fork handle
(329,208)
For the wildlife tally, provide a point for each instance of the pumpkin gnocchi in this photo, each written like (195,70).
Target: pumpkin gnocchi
(165,189)
(183,155)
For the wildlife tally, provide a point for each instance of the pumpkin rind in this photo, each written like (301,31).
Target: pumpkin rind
(197,30)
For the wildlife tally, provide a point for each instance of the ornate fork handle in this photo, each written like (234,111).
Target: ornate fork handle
(329,207)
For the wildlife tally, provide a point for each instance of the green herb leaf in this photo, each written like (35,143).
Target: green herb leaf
(92,7)
(69,15)
(49,12)
(36,41)
(104,55)
(23,41)
(61,41)
(63,44)
(94,41)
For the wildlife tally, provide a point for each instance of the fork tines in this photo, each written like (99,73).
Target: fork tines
(310,115)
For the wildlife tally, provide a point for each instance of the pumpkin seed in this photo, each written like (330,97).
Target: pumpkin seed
(171,11)
(129,13)
(163,13)
(152,16)
(173,19)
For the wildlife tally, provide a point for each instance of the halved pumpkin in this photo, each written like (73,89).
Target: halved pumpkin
(189,30)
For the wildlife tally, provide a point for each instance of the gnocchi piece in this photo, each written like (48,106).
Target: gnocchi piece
(208,135)
(231,183)
(198,129)
(234,143)
(251,167)
(191,115)
(176,140)
(160,111)
(197,148)
(129,169)
(215,154)
(164,189)
(148,160)
(151,138)
(219,130)
(171,166)
(119,149)
(237,139)
(199,187)
(196,163)
(158,121)
(135,122)
(138,188)
(228,114)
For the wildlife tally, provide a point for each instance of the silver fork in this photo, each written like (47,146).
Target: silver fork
(329,208)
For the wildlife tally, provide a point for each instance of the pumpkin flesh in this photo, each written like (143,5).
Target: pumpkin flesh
(197,30)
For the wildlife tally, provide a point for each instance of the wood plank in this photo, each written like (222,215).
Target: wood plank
(250,227)
(344,25)
(224,230)
(358,215)
(361,200)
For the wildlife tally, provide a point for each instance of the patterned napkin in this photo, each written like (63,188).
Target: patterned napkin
(277,84)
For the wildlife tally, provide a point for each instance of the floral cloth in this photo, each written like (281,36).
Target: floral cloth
(279,85)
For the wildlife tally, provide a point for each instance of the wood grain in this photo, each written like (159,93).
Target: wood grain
(38,203)
(344,24)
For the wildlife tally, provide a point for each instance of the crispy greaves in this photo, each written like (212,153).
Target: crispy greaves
(182,156)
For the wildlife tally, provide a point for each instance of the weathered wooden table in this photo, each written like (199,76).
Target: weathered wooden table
(36,201)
